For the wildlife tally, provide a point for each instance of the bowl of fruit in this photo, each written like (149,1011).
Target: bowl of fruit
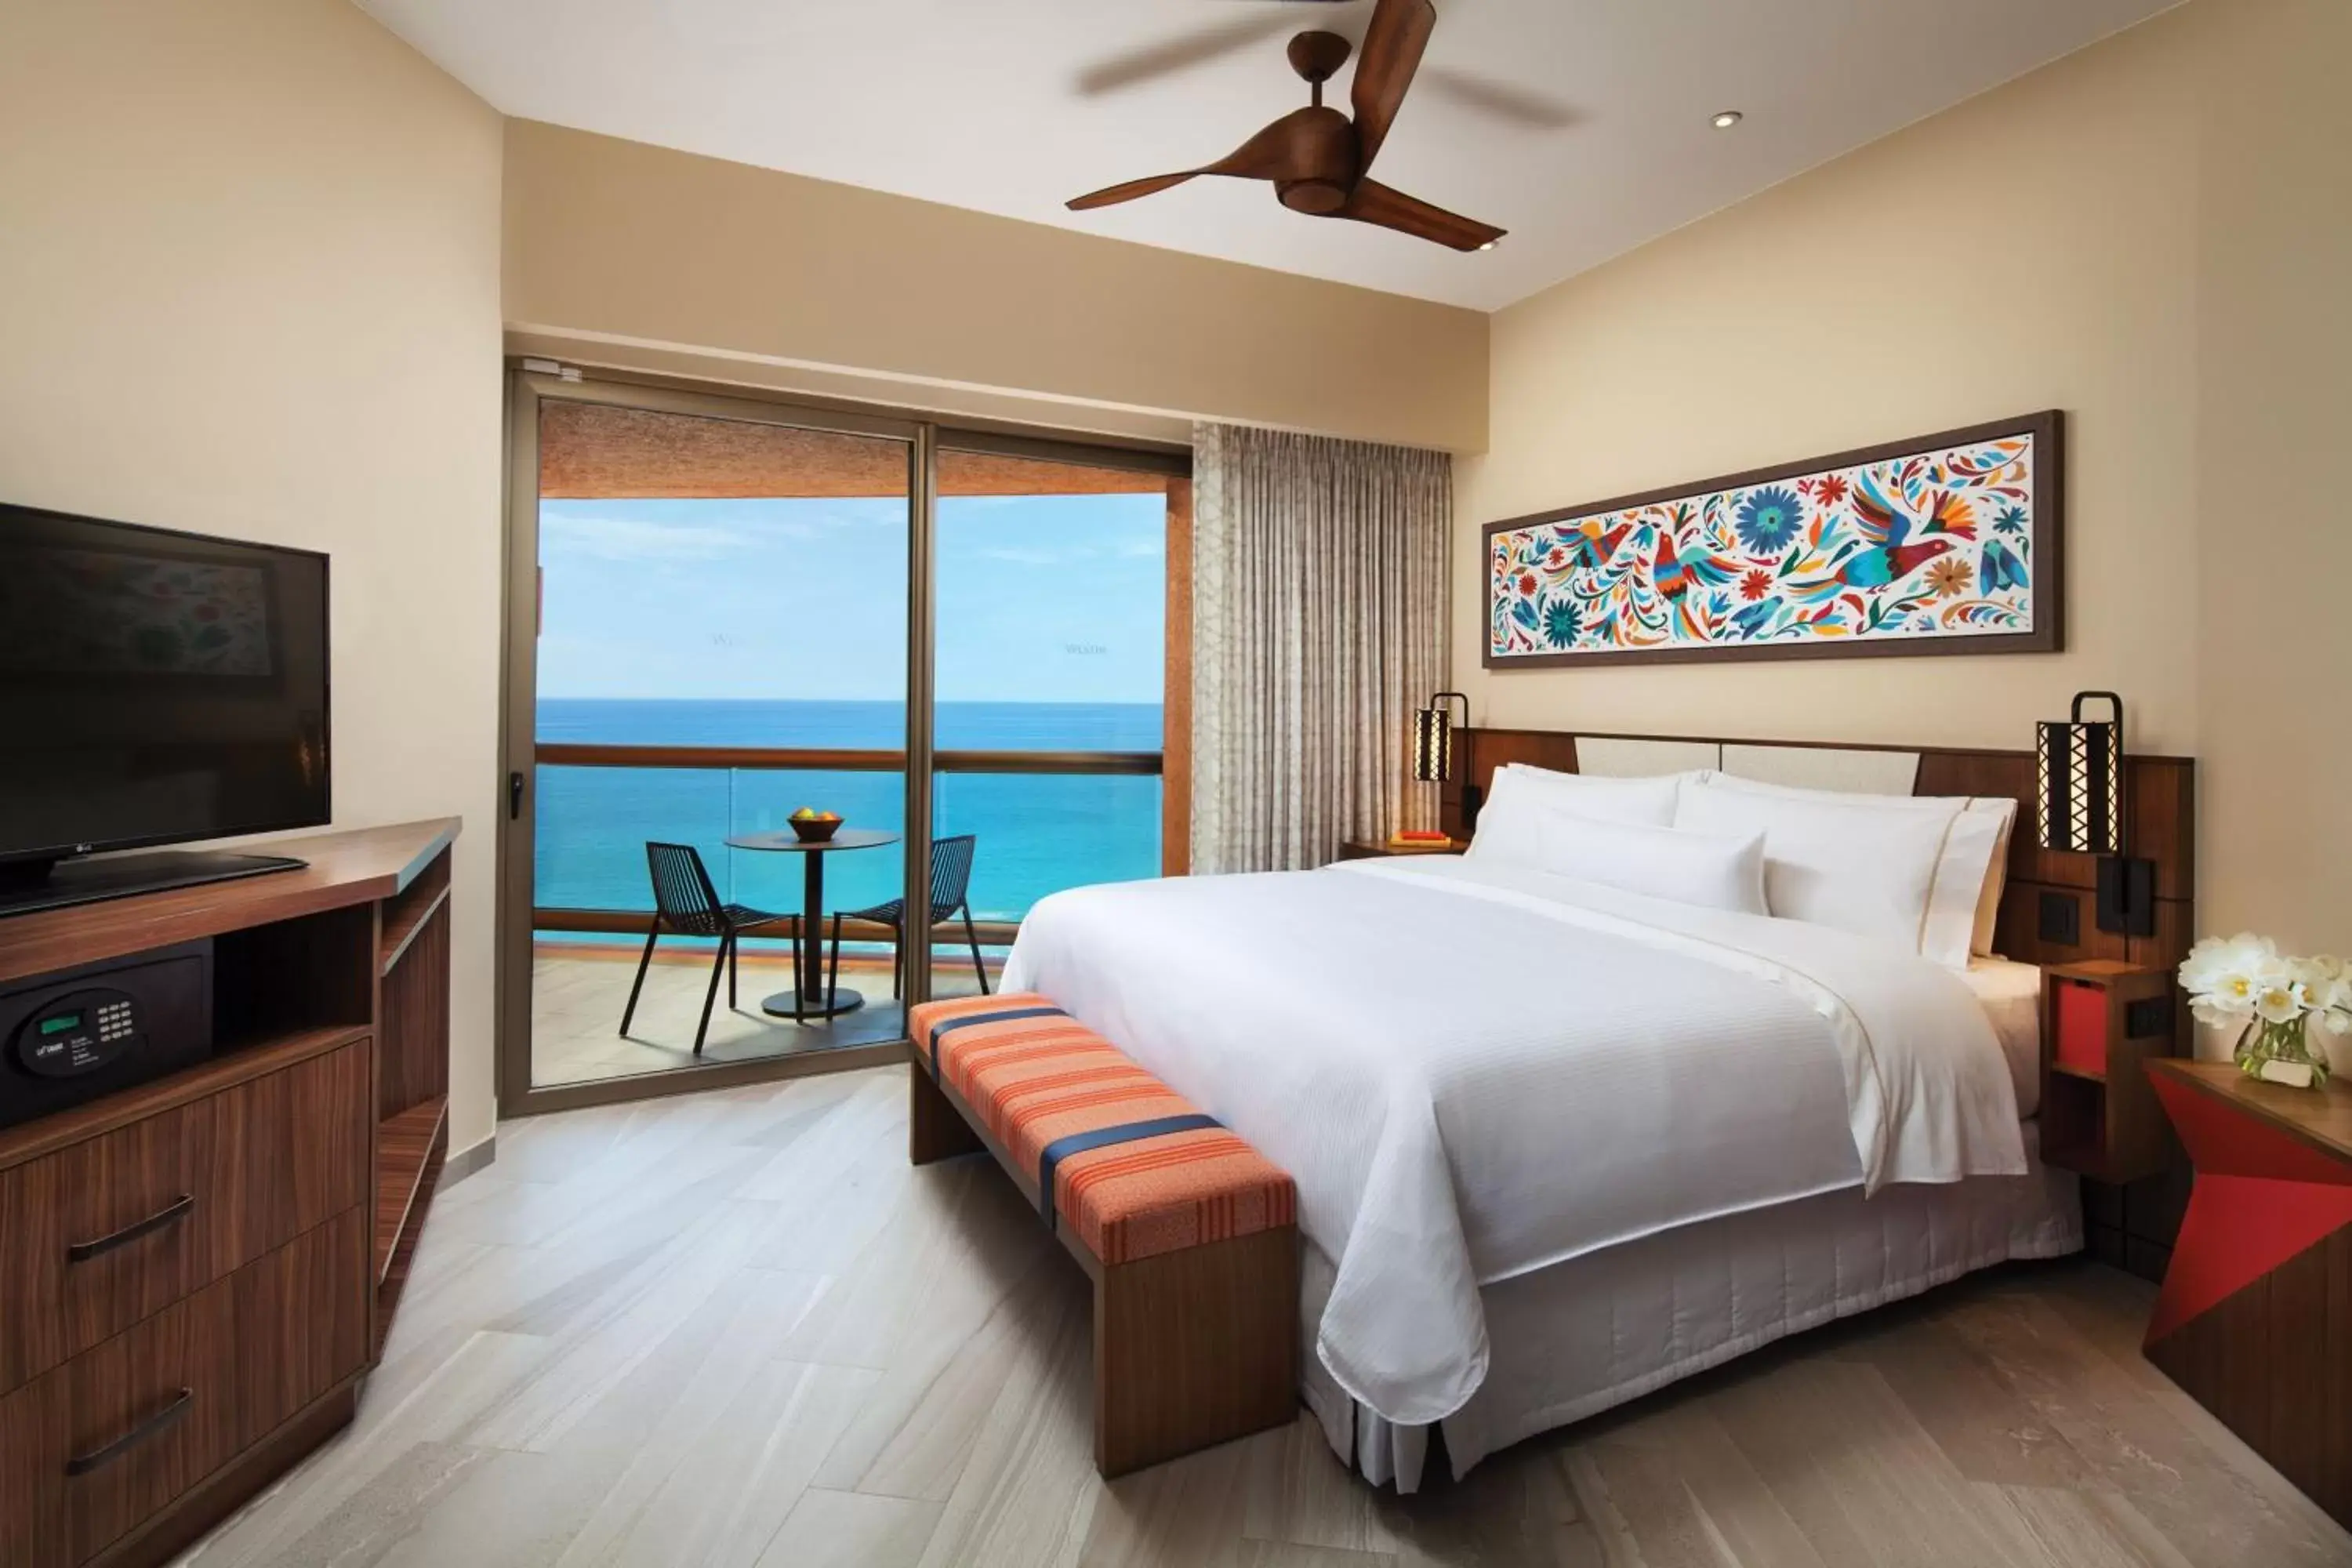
(814,827)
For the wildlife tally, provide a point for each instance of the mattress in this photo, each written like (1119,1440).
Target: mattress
(1577,1338)
(2010,993)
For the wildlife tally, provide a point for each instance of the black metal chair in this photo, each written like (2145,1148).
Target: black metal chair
(686,904)
(950,894)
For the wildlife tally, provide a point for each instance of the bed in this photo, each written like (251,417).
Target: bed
(1559,1142)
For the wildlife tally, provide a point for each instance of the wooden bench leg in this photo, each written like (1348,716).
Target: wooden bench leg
(935,1129)
(1194,1348)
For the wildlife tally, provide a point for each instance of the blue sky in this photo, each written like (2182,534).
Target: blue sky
(1041,599)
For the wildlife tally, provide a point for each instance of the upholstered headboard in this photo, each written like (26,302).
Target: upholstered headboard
(2046,912)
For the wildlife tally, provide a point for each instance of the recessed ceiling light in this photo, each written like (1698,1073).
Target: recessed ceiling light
(1728,119)
(1488,246)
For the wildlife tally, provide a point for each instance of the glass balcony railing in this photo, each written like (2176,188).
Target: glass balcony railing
(594,823)
(1042,822)
(1038,834)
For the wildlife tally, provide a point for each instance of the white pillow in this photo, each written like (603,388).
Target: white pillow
(1970,875)
(1649,801)
(1518,796)
(1671,863)
(1864,868)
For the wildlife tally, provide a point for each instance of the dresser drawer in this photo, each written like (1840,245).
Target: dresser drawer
(102,1235)
(96,1447)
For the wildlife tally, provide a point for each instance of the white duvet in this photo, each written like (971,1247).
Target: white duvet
(1473,1072)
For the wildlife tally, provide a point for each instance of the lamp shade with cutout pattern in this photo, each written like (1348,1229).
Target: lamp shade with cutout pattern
(2081,780)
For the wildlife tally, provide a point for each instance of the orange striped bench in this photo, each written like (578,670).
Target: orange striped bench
(1189,1235)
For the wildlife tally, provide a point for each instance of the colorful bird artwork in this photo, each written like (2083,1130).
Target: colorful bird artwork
(1865,568)
(1888,548)
(1999,568)
(1594,548)
(1675,573)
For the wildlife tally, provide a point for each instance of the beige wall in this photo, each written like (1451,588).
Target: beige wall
(2274,330)
(249,285)
(637,245)
(2163,251)
(1848,308)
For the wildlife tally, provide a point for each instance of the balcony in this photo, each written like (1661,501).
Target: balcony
(1042,821)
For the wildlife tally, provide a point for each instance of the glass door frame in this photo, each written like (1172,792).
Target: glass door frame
(531,384)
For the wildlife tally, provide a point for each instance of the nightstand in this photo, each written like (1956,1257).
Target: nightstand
(1374,849)
(2255,1314)
(2100,1020)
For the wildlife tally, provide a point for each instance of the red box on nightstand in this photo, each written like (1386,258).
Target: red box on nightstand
(2078,1017)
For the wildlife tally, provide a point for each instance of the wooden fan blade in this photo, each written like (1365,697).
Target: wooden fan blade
(1111,195)
(1373,201)
(1384,67)
(1300,145)
(1304,143)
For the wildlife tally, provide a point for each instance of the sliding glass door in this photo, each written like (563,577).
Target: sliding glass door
(1049,712)
(805,710)
(718,611)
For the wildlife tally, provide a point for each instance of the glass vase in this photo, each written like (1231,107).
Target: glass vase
(2288,1043)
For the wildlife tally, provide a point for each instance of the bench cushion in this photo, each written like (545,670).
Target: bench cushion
(1033,1075)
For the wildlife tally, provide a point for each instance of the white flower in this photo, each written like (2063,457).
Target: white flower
(2224,974)
(2279,1000)
(2331,999)
(2215,1016)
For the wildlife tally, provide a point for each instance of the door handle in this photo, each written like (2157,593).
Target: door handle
(514,797)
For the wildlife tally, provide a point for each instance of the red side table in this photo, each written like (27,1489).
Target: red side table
(2254,1321)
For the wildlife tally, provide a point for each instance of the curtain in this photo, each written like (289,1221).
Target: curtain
(1319,612)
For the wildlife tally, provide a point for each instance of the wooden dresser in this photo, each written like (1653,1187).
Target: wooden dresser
(196,1273)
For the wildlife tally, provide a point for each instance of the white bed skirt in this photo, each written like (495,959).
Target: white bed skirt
(1573,1339)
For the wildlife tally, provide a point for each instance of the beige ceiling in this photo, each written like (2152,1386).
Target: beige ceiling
(1580,125)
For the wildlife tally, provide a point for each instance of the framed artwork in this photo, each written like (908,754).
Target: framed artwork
(1948,543)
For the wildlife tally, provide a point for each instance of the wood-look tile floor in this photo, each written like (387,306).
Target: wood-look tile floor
(737,1329)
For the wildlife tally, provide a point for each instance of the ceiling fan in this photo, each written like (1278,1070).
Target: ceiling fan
(1317,158)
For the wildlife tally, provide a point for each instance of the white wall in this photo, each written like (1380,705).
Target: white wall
(250,286)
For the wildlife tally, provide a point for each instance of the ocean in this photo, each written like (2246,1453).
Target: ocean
(1035,835)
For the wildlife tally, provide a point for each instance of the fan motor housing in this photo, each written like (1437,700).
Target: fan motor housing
(1321,197)
(1318,149)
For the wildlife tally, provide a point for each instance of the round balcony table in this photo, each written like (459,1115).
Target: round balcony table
(807,999)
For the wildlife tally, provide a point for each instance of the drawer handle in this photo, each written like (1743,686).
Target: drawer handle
(172,1212)
(82,1464)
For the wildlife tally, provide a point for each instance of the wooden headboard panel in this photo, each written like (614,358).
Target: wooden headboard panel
(2044,886)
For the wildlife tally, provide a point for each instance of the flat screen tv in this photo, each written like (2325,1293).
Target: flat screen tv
(156,688)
